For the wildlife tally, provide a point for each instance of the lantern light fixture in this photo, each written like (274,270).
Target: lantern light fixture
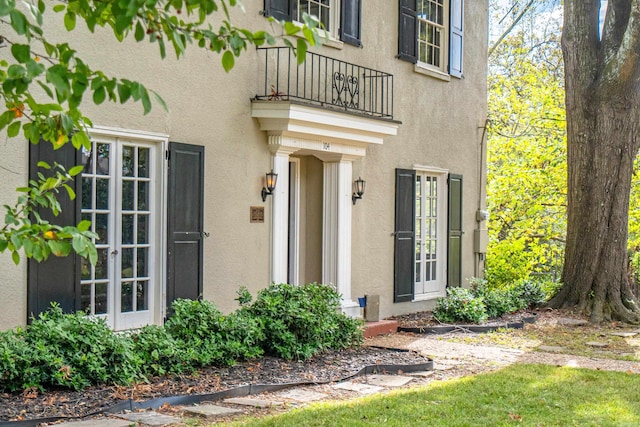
(358,189)
(271,180)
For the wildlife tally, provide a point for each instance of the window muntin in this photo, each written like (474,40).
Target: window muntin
(432,33)
(322,9)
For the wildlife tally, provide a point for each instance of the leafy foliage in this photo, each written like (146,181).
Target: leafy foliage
(483,301)
(301,321)
(74,350)
(24,229)
(68,350)
(460,305)
(207,337)
(527,163)
(43,84)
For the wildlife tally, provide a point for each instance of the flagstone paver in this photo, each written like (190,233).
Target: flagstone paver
(256,403)
(210,411)
(150,418)
(97,422)
(597,344)
(358,387)
(388,380)
(303,395)
(624,334)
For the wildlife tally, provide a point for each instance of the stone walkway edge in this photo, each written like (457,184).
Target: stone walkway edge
(242,391)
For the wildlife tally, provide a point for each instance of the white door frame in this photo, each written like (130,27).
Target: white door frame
(158,143)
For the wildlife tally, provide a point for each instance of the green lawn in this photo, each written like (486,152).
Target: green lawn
(520,395)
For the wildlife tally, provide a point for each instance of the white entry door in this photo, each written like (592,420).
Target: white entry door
(120,197)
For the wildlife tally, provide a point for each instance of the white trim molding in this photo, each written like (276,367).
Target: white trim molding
(338,139)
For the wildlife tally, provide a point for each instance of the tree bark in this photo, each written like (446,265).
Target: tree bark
(602,98)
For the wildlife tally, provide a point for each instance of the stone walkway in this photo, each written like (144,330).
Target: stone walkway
(212,412)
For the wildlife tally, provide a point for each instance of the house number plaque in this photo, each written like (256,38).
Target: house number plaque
(256,214)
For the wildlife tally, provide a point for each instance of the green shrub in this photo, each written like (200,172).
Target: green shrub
(158,353)
(207,337)
(498,301)
(74,350)
(301,321)
(530,293)
(460,305)
(15,360)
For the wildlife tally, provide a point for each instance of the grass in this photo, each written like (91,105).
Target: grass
(573,340)
(522,395)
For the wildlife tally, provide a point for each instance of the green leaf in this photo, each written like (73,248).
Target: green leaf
(15,256)
(290,28)
(3,245)
(301,51)
(80,139)
(21,52)
(160,100)
(227,60)
(139,34)
(70,192)
(6,6)
(46,89)
(99,95)
(76,170)
(59,8)
(18,22)
(84,225)
(14,129)
(44,165)
(79,243)
(70,21)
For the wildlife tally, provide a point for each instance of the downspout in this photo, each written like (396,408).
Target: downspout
(480,234)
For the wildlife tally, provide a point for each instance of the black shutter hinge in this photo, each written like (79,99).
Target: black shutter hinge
(167,154)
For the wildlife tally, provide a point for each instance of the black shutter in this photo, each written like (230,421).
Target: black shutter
(456,37)
(351,21)
(279,9)
(454,275)
(405,237)
(185,222)
(58,278)
(407,31)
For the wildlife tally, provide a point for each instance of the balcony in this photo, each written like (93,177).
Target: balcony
(325,82)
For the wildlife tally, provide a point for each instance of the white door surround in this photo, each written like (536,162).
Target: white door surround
(338,139)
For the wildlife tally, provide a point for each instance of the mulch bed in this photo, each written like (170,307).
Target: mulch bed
(425,320)
(329,366)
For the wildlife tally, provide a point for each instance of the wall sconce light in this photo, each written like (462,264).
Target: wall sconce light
(271,180)
(358,189)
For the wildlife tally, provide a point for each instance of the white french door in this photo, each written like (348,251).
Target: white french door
(430,235)
(120,185)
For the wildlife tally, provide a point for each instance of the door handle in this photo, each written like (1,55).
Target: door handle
(114,252)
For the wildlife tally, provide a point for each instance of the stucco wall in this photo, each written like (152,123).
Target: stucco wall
(440,128)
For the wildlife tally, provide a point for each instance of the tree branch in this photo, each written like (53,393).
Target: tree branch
(511,27)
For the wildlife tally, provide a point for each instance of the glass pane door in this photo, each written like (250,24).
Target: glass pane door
(118,198)
(428,262)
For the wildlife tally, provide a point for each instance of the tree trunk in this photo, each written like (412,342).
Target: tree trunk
(602,98)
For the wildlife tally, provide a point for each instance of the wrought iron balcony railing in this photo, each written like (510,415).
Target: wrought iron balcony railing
(326,82)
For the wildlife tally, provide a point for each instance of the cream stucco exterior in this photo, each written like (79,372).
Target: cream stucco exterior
(437,123)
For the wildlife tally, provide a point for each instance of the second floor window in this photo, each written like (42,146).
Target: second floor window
(432,37)
(430,34)
(340,18)
(318,8)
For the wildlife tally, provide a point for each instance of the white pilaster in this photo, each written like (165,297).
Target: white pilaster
(336,230)
(280,210)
